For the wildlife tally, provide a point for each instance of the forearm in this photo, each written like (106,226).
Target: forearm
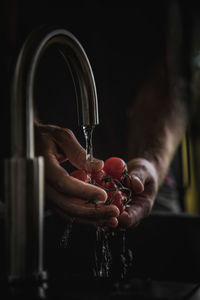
(157,120)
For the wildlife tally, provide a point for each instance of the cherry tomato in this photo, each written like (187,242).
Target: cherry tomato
(115,167)
(109,184)
(81,175)
(98,176)
(117,198)
(104,180)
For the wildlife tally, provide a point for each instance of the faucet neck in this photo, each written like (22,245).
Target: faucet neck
(22,92)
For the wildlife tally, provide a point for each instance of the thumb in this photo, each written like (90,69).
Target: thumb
(137,184)
(143,173)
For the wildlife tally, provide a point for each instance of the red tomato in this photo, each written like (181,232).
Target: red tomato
(115,167)
(98,176)
(109,184)
(81,175)
(117,198)
(104,180)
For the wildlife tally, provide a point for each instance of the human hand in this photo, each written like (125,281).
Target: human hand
(144,184)
(72,198)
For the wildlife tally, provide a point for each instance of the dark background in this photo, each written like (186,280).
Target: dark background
(123,43)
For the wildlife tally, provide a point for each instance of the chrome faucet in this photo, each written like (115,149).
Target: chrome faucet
(24,173)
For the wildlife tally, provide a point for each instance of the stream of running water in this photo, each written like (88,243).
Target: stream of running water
(102,251)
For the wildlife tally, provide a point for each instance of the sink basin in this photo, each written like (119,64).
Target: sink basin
(166,263)
(164,247)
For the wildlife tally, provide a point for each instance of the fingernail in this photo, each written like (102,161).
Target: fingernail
(137,178)
(137,184)
(112,223)
(113,213)
(101,197)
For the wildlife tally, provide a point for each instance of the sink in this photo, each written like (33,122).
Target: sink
(166,262)
(165,246)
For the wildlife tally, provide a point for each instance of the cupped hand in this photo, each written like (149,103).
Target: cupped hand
(144,181)
(71,198)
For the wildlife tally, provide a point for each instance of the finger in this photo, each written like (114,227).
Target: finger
(143,169)
(62,182)
(134,214)
(112,222)
(75,152)
(75,207)
(137,184)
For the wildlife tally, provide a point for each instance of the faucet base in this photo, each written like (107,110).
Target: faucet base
(25,290)
(24,184)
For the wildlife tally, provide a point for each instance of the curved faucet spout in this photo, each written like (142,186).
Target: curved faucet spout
(23,84)
(24,173)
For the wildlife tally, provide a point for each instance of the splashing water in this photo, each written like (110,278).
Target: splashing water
(88,131)
(102,254)
(126,256)
(64,241)
(102,251)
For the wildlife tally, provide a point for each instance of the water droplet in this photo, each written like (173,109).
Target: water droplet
(102,254)
(64,241)
(126,256)
(88,131)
